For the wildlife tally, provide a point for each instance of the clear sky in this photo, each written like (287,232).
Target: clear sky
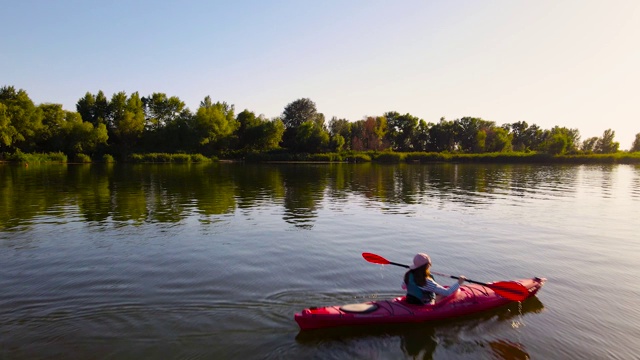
(572,63)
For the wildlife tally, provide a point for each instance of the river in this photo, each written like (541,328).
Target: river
(212,260)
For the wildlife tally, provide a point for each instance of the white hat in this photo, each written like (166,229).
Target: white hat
(420,259)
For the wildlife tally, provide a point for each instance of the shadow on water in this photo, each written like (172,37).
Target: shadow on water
(421,340)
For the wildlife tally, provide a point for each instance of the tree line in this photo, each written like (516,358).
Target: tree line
(125,124)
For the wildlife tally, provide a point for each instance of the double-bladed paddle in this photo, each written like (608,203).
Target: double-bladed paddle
(507,289)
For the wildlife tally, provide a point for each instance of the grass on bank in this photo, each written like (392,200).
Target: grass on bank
(389,157)
(169,158)
(385,157)
(59,157)
(34,158)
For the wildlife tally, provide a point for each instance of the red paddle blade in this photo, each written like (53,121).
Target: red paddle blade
(510,290)
(376,259)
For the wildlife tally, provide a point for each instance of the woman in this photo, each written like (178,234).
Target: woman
(421,288)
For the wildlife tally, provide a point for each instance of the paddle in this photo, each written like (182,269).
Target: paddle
(507,289)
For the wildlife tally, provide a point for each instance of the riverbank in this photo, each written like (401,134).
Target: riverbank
(348,157)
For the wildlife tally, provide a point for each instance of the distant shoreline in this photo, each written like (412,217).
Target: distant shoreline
(385,157)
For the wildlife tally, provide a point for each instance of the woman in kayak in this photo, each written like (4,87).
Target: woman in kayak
(421,288)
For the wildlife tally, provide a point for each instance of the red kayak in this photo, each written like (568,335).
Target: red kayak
(469,299)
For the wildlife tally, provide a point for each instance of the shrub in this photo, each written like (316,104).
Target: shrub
(357,158)
(199,158)
(82,158)
(329,157)
(107,158)
(180,158)
(389,157)
(424,157)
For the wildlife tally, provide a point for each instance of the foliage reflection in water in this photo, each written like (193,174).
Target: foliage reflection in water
(213,260)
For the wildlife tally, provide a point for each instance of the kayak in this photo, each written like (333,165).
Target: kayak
(468,299)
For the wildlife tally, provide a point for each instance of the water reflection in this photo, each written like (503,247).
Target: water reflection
(635,183)
(420,341)
(135,194)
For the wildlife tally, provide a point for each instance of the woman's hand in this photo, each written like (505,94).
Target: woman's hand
(461,279)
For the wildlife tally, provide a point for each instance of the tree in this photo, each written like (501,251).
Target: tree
(86,107)
(101,112)
(81,136)
(525,137)
(257,133)
(442,136)
(215,123)
(179,135)
(7,132)
(336,143)
(636,144)
(52,133)
(560,140)
(311,138)
(369,134)
(299,112)
(498,140)
(557,144)
(467,133)
(421,138)
(294,115)
(340,128)
(23,119)
(589,145)
(160,110)
(247,122)
(606,145)
(401,130)
(270,134)
(127,117)
(94,109)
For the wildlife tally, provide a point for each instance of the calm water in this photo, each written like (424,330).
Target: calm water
(212,261)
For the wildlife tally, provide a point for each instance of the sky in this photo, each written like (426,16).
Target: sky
(571,63)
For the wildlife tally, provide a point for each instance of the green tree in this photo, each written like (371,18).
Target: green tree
(101,112)
(341,128)
(86,107)
(215,123)
(271,133)
(636,144)
(498,140)
(294,115)
(247,122)
(606,144)
(298,112)
(7,132)
(442,136)
(311,138)
(180,135)
(257,133)
(401,130)
(160,110)
(560,140)
(557,144)
(127,117)
(336,143)
(94,109)
(421,137)
(468,132)
(52,132)
(81,137)
(525,137)
(24,119)
(589,145)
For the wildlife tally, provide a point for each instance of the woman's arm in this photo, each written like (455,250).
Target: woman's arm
(436,288)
